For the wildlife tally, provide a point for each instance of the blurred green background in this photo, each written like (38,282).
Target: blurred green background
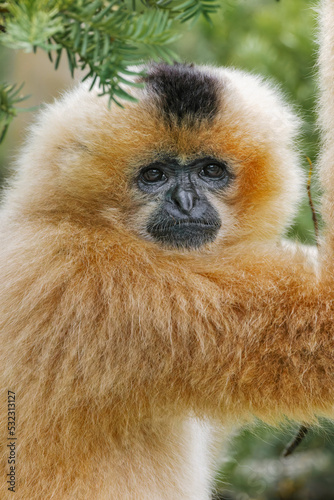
(277,40)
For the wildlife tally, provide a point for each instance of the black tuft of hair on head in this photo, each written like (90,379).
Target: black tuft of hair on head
(184,91)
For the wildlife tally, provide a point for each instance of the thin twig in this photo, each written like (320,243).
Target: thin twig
(314,215)
(303,429)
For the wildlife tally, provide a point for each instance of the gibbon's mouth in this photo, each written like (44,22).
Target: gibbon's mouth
(187,223)
(185,234)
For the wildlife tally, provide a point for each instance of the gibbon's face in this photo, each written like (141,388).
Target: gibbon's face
(184,217)
(205,158)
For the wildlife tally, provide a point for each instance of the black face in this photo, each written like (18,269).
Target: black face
(185,217)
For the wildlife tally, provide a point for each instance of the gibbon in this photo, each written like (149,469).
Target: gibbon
(145,289)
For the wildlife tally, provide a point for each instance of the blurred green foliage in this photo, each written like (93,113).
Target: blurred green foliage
(4,63)
(252,468)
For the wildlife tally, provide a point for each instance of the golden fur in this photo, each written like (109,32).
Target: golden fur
(117,348)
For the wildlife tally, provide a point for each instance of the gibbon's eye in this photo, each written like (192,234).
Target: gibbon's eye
(213,171)
(153,175)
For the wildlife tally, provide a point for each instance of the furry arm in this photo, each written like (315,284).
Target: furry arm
(253,337)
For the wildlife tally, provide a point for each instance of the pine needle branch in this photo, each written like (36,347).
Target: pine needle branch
(10,95)
(103,38)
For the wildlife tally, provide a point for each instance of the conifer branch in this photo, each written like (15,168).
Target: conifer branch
(101,37)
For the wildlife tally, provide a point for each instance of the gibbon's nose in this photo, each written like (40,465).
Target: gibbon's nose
(185,199)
